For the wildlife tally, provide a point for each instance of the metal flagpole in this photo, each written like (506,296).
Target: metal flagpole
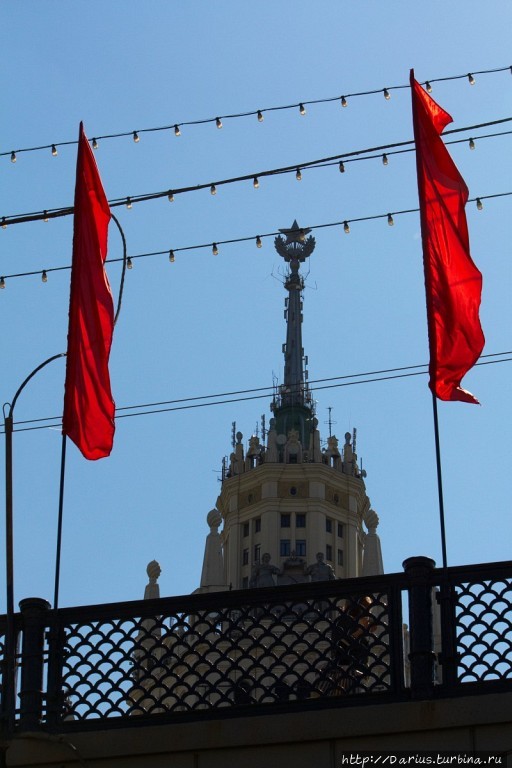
(439,480)
(8,698)
(59,523)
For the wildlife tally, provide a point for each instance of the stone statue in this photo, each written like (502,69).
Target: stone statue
(320,571)
(262,573)
(152,589)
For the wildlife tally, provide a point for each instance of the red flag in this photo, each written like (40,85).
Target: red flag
(453,283)
(88,405)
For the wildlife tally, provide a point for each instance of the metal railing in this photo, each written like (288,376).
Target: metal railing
(324,644)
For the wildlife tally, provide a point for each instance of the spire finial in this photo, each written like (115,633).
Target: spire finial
(294,249)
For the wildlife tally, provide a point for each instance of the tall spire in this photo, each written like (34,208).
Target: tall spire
(294,250)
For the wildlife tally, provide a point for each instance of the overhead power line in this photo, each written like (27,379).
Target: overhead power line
(242,395)
(175,127)
(258,239)
(254,176)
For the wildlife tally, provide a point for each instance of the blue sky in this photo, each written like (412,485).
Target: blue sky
(208,324)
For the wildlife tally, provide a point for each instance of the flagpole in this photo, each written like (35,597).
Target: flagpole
(439,480)
(59,523)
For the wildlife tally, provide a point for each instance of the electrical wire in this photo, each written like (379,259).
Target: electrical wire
(176,126)
(188,403)
(130,200)
(256,238)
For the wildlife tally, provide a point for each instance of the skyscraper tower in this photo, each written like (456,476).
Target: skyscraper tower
(291,510)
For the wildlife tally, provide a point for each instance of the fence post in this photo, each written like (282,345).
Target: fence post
(419,570)
(34,618)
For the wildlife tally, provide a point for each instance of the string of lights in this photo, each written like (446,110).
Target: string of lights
(259,393)
(176,127)
(384,152)
(257,239)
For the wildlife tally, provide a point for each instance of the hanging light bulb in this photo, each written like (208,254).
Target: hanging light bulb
(213,189)
(302,109)
(13,157)
(471,79)
(177,131)
(302,235)
(45,216)
(471,144)
(479,204)
(218,122)
(260,116)
(171,257)
(94,144)
(54,150)
(256,182)
(215,250)
(344,102)
(342,166)
(170,196)
(4,223)
(298,175)
(136,137)
(129,264)
(2,282)
(258,242)
(346,227)
(387,94)
(390,220)
(128,202)
(428,87)
(44,276)
(384,159)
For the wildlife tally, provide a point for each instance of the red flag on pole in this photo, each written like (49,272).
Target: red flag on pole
(453,284)
(88,405)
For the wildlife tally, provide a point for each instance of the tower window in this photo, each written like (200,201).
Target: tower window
(257,525)
(328,552)
(340,557)
(300,547)
(246,529)
(340,530)
(285,521)
(245,557)
(284,547)
(300,521)
(328,525)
